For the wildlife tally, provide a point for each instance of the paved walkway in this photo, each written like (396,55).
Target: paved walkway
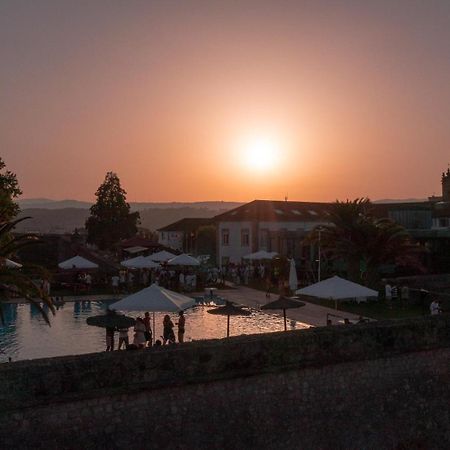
(310,314)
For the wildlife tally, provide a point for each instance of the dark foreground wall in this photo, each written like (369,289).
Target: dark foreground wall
(373,386)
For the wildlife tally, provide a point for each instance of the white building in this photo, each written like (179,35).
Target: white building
(267,225)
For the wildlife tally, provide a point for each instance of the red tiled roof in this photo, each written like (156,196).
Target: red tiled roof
(188,224)
(276,211)
(287,211)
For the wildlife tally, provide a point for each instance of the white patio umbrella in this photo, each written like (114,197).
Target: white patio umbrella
(293,281)
(262,254)
(183,260)
(147,263)
(337,288)
(11,264)
(140,262)
(77,262)
(154,299)
(132,262)
(162,256)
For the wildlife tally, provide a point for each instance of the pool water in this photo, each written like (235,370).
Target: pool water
(25,335)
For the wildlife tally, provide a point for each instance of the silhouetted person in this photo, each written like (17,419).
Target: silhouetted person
(110,339)
(181,327)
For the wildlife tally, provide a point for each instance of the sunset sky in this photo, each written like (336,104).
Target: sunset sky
(226,100)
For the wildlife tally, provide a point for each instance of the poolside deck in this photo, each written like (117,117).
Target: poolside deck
(310,314)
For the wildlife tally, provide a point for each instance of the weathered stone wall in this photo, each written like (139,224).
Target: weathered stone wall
(383,385)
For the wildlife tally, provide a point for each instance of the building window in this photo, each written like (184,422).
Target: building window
(264,239)
(245,237)
(162,235)
(443,222)
(225,236)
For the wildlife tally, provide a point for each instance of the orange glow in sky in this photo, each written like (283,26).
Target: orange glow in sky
(201,100)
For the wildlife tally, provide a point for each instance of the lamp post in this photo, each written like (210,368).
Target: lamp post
(318,267)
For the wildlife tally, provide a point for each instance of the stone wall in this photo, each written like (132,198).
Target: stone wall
(378,385)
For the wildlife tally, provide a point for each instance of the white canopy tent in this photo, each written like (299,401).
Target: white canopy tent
(162,256)
(293,280)
(183,260)
(262,254)
(337,288)
(77,262)
(131,263)
(154,299)
(148,263)
(140,262)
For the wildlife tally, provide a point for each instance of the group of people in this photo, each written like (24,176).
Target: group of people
(244,272)
(143,333)
(128,280)
(394,293)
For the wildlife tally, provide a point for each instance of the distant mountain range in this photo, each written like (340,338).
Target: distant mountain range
(63,216)
(45,203)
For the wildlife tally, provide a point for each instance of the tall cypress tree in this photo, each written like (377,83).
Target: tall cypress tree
(110,219)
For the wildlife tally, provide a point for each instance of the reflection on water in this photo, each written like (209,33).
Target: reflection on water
(25,335)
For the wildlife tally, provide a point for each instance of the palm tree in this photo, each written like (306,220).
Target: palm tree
(356,237)
(343,239)
(14,281)
(389,243)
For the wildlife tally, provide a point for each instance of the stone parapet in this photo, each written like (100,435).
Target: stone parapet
(381,385)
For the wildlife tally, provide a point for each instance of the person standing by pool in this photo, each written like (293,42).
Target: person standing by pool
(181,327)
(110,339)
(168,334)
(435,308)
(139,333)
(405,295)
(388,292)
(123,338)
(122,280)
(115,284)
(148,329)
(88,282)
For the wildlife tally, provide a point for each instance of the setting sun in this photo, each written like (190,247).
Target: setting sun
(260,153)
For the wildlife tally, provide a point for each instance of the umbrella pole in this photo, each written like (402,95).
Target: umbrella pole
(284,315)
(335,304)
(154,330)
(228,325)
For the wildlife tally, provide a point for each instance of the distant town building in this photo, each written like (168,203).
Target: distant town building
(183,234)
(281,226)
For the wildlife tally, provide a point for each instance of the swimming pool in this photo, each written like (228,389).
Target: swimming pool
(25,334)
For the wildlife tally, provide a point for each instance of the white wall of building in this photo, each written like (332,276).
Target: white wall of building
(172,239)
(234,250)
